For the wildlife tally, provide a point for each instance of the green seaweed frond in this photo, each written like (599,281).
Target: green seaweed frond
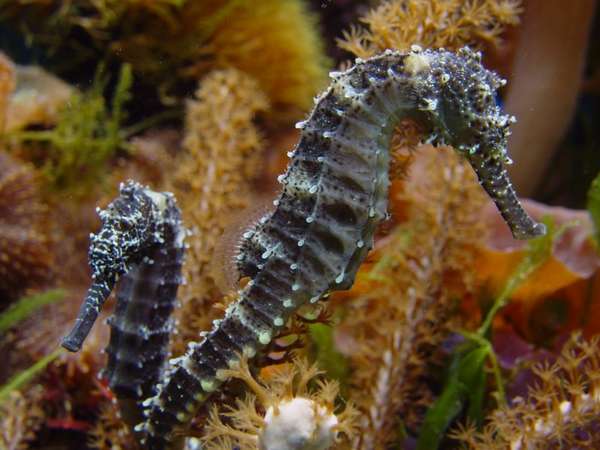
(87,136)
(538,251)
(593,206)
(26,306)
(466,381)
(327,356)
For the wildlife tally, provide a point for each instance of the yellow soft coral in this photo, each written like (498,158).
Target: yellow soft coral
(274,41)
(283,413)
(561,410)
(221,157)
(451,24)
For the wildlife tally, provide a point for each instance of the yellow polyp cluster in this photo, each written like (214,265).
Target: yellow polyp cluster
(274,34)
(282,412)
(402,303)
(450,24)
(222,149)
(560,411)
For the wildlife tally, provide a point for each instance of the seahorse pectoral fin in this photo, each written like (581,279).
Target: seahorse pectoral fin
(494,178)
(95,298)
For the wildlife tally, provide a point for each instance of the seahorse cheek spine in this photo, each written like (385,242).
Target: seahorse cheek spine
(334,195)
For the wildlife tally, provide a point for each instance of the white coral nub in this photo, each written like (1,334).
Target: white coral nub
(282,412)
(298,424)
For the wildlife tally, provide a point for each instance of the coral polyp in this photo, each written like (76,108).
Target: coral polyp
(282,413)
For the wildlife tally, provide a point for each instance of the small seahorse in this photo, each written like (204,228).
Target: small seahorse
(334,195)
(140,242)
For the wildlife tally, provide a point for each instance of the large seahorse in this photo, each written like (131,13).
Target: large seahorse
(334,195)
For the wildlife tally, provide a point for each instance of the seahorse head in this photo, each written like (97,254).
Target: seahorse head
(471,120)
(127,227)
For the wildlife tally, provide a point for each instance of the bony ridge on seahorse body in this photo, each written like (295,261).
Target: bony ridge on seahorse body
(334,195)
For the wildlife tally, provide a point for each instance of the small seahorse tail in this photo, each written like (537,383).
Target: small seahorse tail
(494,179)
(95,298)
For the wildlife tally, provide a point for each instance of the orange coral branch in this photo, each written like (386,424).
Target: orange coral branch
(451,24)
(213,180)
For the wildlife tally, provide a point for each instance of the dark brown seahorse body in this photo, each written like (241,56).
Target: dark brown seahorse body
(142,322)
(139,248)
(334,195)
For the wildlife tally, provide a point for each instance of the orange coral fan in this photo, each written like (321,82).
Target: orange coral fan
(451,24)
(561,411)
(566,282)
(222,151)
(283,413)
(399,307)
(24,247)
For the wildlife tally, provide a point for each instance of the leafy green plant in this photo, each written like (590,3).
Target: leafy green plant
(87,135)
(327,356)
(466,380)
(593,206)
